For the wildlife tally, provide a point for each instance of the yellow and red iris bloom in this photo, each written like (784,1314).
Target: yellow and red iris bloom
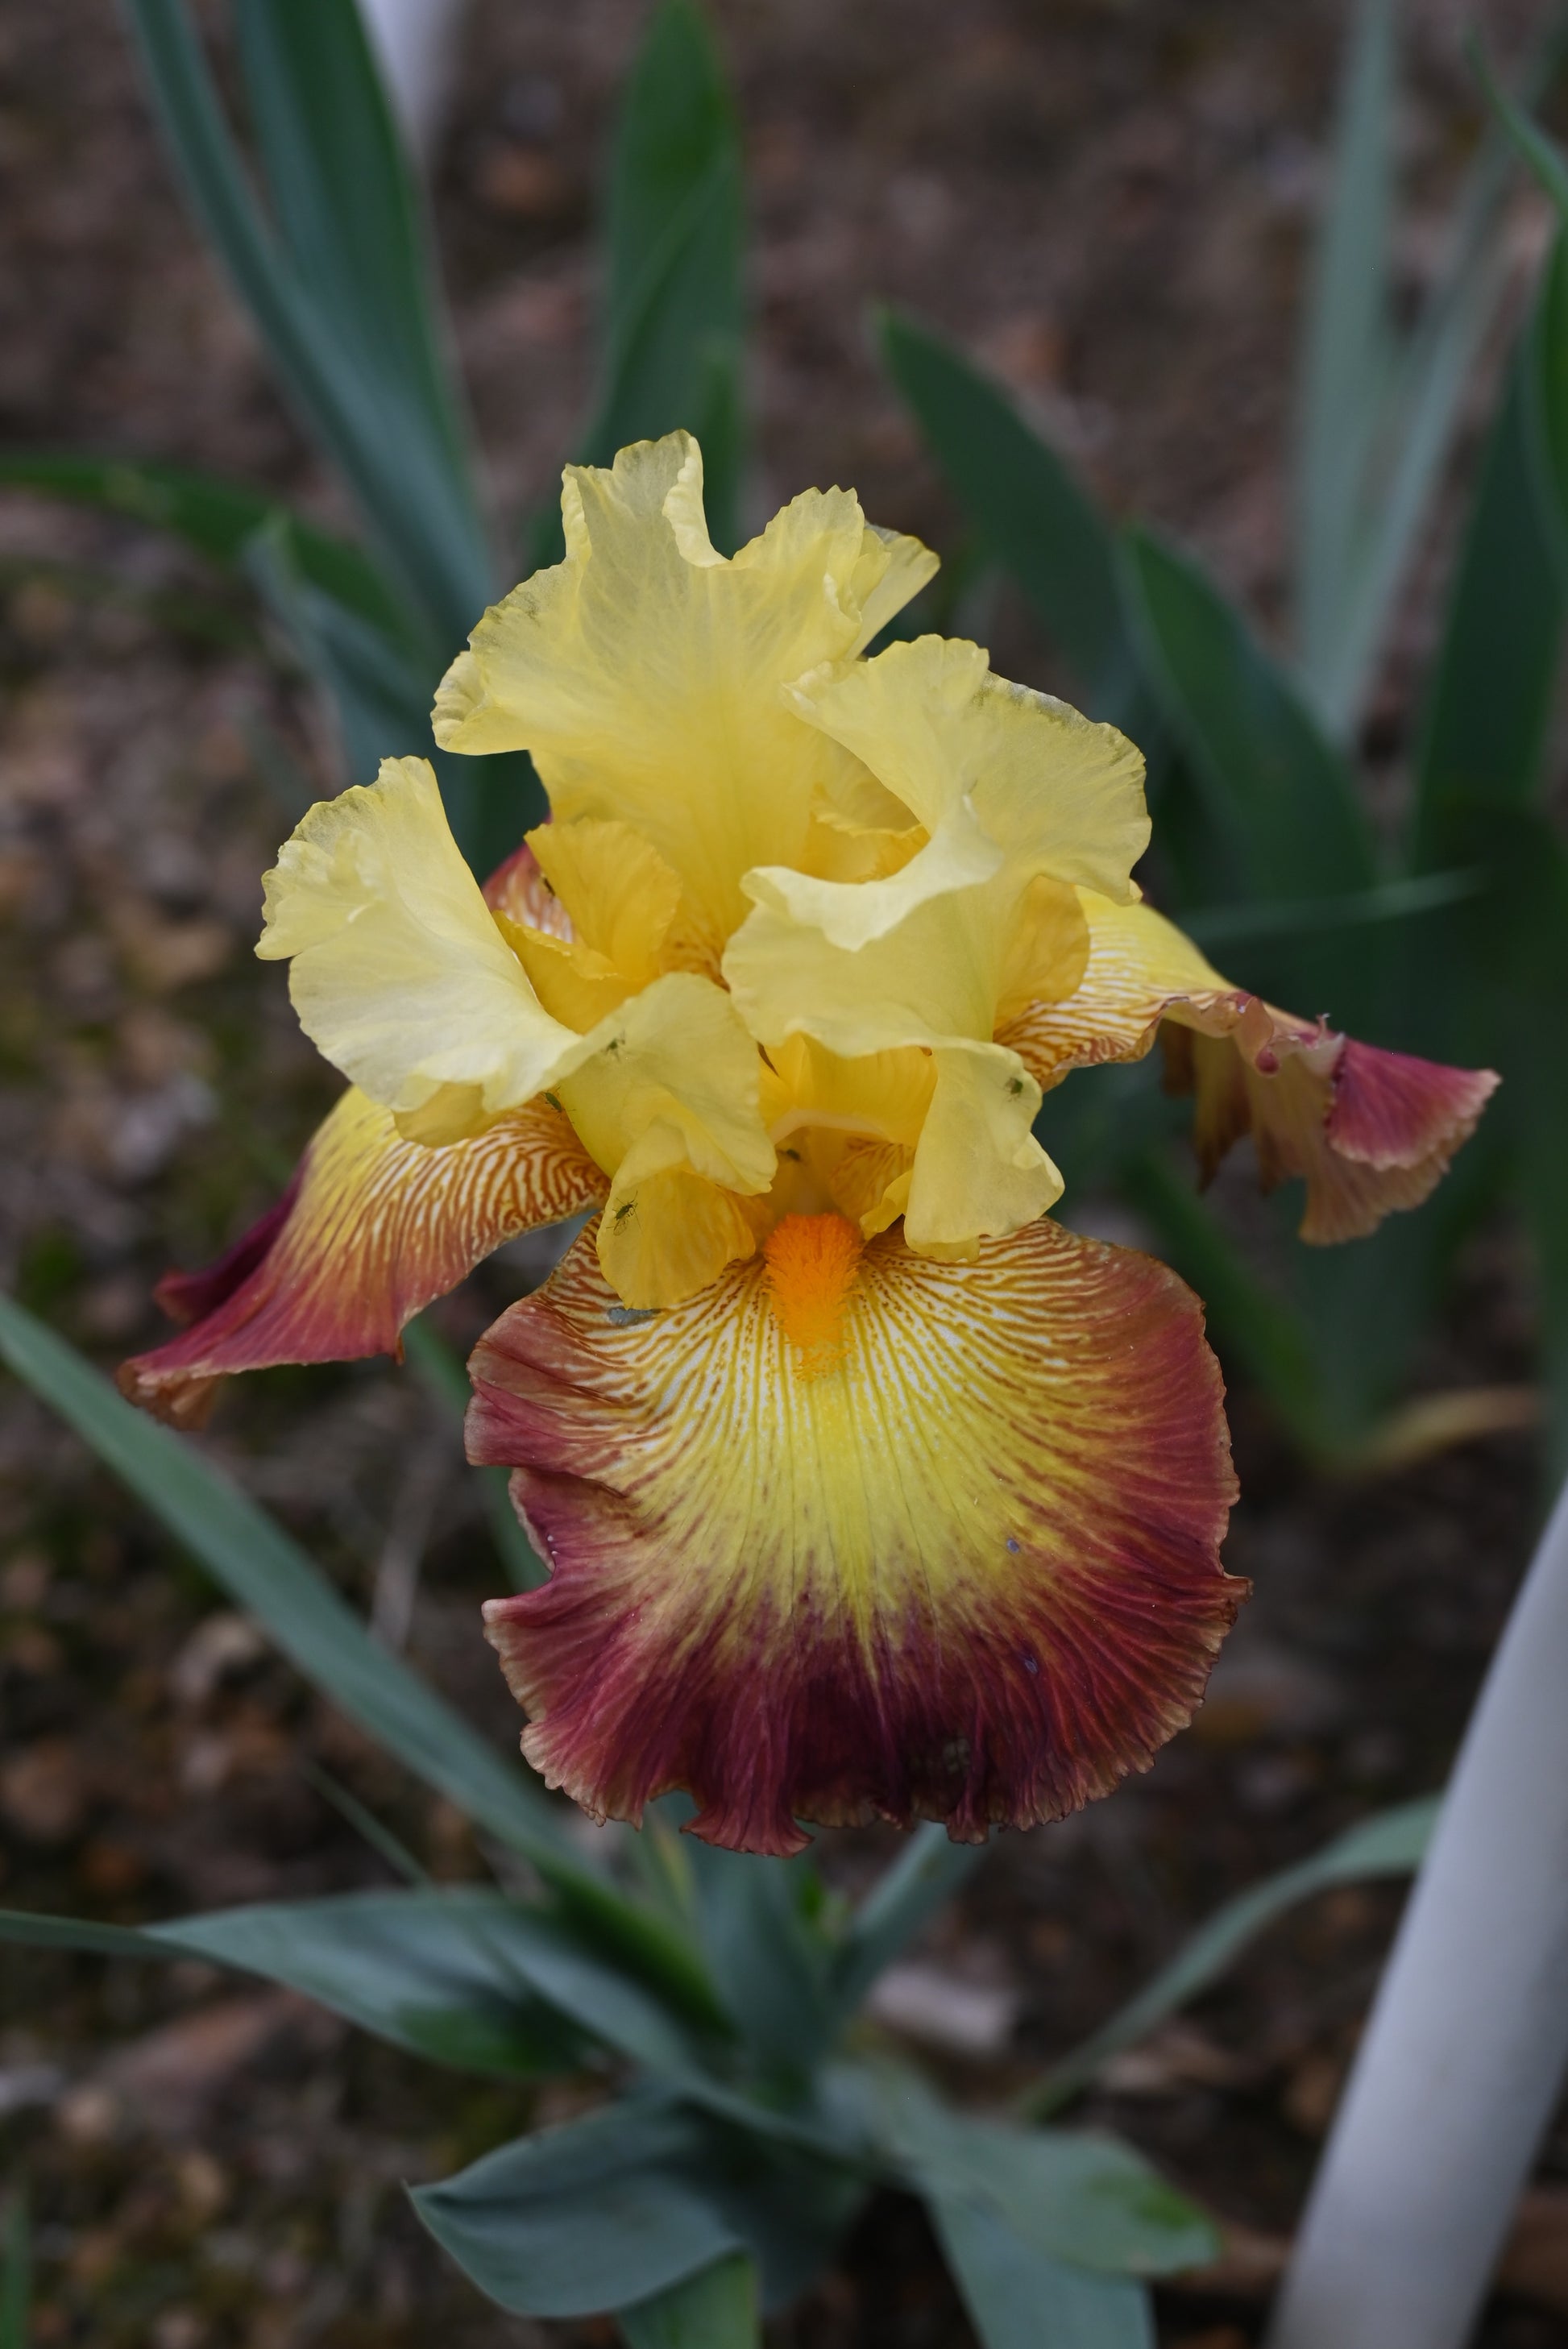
(866,1488)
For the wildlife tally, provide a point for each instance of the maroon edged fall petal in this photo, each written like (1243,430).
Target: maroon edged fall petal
(370,1229)
(968,1571)
(1367,1131)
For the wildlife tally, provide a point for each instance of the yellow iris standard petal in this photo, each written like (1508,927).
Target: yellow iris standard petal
(620,902)
(618,892)
(855,1534)
(403,977)
(944,736)
(644,672)
(400,975)
(1022,799)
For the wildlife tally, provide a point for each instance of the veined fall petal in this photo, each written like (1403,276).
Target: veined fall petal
(370,1230)
(854,1534)
(1367,1130)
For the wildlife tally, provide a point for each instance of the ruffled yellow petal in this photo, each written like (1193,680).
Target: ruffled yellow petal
(836,848)
(942,734)
(403,977)
(400,975)
(853,1533)
(619,900)
(1367,1131)
(620,894)
(978,1172)
(576,986)
(644,671)
(673,1092)
(892,568)
(667,1231)
(1021,798)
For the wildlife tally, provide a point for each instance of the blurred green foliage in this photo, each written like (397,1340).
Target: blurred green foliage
(1445,941)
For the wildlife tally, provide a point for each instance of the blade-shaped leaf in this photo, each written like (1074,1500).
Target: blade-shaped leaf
(1390,1844)
(926,1874)
(767,1956)
(218,518)
(269,1576)
(1523,965)
(427,1970)
(675,306)
(607,2211)
(381,690)
(16,2275)
(368,424)
(430,1971)
(1546,408)
(380,694)
(1024,500)
(1018,2297)
(1225,928)
(714,2309)
(676,121)
(1485,730)
(1279,794)
(1346,351)
(1404,451)
(1537,150)
(1076,2195)
(349,206)
(264,1571)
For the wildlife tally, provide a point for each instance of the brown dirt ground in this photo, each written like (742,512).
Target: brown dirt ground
(1108,200)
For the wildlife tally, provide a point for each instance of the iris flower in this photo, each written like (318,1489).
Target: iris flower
(865,1488)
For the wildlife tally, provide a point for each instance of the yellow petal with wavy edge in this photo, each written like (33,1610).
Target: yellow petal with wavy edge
(619,900)
(1367,1130)
(674,1091)
(620,894)
(400,975)
(644,671)
(940,732)
(576,986)
(804,1085)
(845,1130)
(666,1232)
(978,1172)
(1022,798)
(961,1564)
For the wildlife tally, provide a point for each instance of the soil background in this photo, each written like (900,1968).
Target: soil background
(1108,202)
